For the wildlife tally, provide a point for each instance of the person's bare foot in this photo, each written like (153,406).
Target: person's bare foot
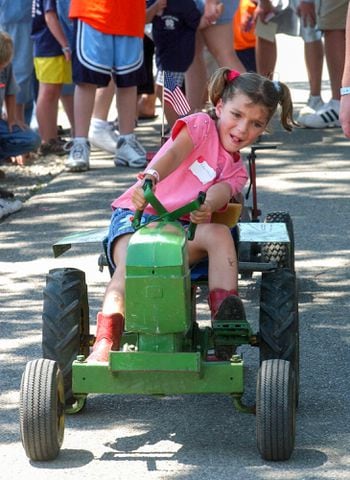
(24,159)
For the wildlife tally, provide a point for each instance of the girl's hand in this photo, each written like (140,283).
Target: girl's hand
(138,198)
(203,214)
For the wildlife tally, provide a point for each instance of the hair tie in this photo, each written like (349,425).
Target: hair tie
(232,74)
(277,85)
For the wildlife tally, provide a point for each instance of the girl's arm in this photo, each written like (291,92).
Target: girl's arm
(155,9)
(10,104)
(166,164)
(55,28)
(175,155)
(217,197)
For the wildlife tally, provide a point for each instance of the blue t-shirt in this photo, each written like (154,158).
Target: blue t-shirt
(45,44)
(174,34)
(15,11)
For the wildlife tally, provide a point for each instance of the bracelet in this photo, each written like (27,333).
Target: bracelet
(65,49)
(154,174)
(345,91)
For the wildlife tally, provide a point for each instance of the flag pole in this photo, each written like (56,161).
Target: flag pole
(163,114)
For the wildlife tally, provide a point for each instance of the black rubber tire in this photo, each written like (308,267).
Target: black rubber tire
(275,410)
(279,320)
(65,332)
(281,253)
(41,409)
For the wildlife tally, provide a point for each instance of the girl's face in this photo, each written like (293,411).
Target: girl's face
(240,122)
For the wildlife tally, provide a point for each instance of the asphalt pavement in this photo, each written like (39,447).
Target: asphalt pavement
(192,437)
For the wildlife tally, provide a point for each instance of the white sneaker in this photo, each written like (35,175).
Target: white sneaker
(8,206)
(313,104)
(79,157)
(130,153)
(103,135)
(326,117)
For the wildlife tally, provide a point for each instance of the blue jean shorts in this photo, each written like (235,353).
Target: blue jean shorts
(121,225)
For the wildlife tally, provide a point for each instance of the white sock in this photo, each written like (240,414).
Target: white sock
(97,122)
(80,140)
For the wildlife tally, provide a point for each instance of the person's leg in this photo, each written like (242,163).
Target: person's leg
(334,43)
(84,98)
(313,52)
(146,91)
(129,152)
(222,261)
(216,241)
(266,57)
(328,115)
(17,141)
(47,109)
(196,77)
(218,39)
(103,100)
(101,133)
(79,155)
(68,105)
(126,97)
(110,320)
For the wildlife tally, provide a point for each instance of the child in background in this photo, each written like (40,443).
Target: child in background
(52,63)
(201,155)
(15,137)
(244,39)
(174,32)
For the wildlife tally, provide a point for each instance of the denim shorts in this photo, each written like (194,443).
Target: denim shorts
(121,225)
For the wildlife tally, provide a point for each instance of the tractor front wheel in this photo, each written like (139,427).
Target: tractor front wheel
(42,410)
(275,410)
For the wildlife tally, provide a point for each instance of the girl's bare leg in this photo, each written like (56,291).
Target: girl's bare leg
(113,301)
(215,240)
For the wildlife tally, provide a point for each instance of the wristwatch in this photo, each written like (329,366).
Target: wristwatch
(345,91)
(154,174)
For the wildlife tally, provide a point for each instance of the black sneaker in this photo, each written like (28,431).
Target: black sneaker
(52,147)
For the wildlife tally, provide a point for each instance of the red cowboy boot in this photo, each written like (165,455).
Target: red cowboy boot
(108,335)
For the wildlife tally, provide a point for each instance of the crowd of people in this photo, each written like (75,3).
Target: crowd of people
(86,55)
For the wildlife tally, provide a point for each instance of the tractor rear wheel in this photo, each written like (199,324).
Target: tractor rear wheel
(275,410)
(65,332)
(42,410)
(279,320)
(281,253)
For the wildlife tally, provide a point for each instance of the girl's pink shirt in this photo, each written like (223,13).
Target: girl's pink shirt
(208,164)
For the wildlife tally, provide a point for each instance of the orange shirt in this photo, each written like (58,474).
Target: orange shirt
(113,17)
(243,39)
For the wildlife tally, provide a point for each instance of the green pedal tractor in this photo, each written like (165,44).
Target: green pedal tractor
(165,350)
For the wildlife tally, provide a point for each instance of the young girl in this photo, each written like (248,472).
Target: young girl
(201,155)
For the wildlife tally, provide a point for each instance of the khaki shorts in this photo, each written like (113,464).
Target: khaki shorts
(53,69)
(284,22)
(331,14)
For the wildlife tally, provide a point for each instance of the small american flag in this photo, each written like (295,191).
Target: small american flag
(174,95)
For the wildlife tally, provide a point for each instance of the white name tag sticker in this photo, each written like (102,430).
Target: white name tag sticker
(263,232)
(203,171)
